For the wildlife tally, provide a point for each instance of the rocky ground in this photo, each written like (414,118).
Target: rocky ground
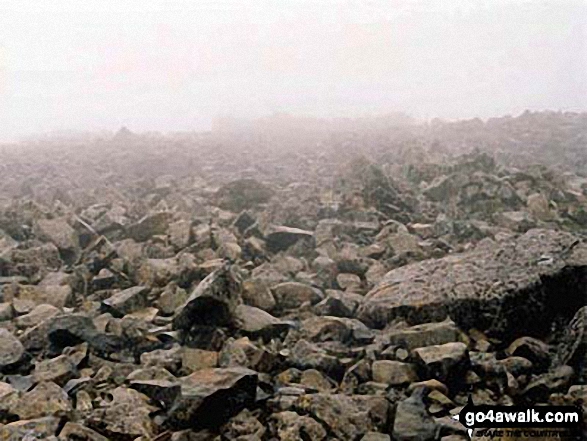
(335,284)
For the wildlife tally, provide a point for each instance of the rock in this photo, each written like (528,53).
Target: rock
(256,322)
(346,417)
(279,238)
(447,362)
(292,427)
(374,436)
(75,430)
(243,194)
(518,221)
(467,286)
(314,379)
(124,416)
(55,295)
(305,355)
(37,315)
(291,295)
(213,302)
(428,334)
(412,421)
(180,234)
(61,234)
(256,293)
(394,373)
(149,226)
(339,304)
(58,370)
(402,243)
(11,349)
(539,207)
(209,397)
(171,298)
(126,301)
(46,399)
(160,391)
(534,350)
(572,348)
(196,359)
(429,384)
(539,389)
(30,430)
(6,312)
(244,426)
(349,282)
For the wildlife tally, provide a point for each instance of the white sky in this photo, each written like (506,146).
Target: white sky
(174,65)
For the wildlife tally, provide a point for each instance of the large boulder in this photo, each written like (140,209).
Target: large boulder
(518,285)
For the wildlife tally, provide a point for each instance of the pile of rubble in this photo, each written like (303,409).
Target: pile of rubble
(360,302)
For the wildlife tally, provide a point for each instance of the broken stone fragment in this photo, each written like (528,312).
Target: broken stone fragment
(446,363)
(77,431)
(213,302)
(59,370)
(36,316)
(412,421)
(428,334)
(61,234)
(346,417)
(180,234)
(256,293)
(126,415)
(291,295)
(149,226)
(280,238)
(290,426)
(30,430)
(126,301)
(531,349)
(394,373)
(46,399)
(257,323)
(243,194)
(209,397)
(11,349)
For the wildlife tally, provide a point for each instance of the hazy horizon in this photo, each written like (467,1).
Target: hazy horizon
(161,66)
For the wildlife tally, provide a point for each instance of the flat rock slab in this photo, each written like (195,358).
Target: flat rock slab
(517,285)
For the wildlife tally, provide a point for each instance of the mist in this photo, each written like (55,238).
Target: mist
(156,65)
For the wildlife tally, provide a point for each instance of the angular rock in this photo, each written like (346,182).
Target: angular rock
(471,287)
(346,417)
(291,295)
(126,301)
(412,421)
(11,349)
(256,322)
(209,397)
(279,238)
(394,373)
(213,302)
(446,363)
(46,399)
(149,226)
(291,426)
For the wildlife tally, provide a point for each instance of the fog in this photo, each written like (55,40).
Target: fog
(159,65)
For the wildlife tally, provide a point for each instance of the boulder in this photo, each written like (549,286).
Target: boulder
(524,274)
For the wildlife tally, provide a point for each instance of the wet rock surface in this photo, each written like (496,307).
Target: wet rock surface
(314,295)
